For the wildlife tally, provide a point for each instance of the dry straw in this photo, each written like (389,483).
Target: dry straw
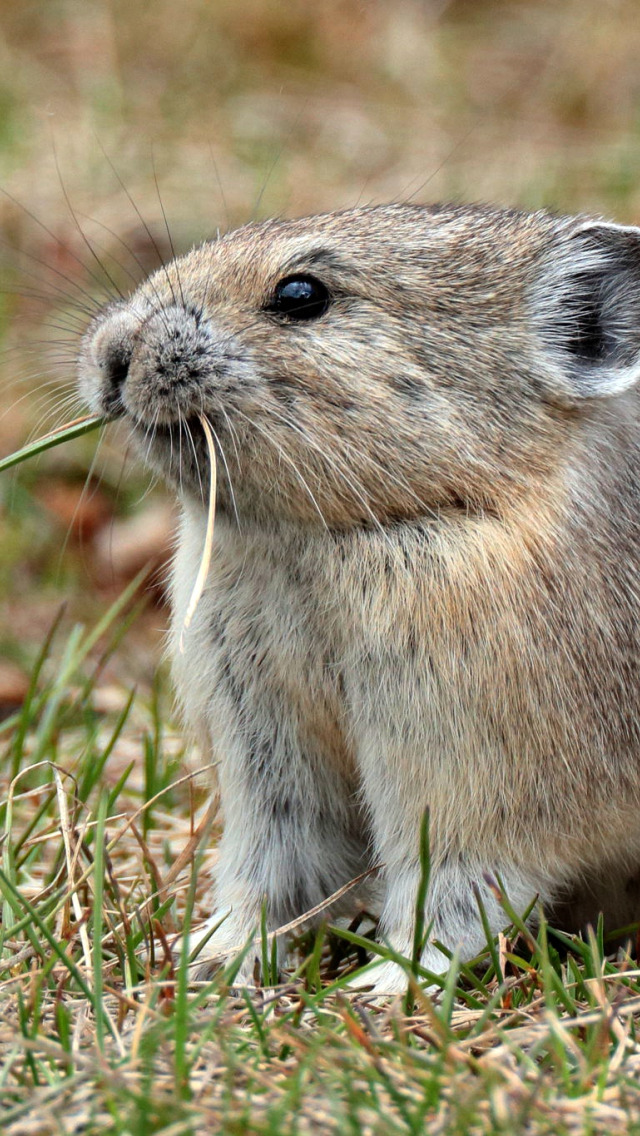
(205,562)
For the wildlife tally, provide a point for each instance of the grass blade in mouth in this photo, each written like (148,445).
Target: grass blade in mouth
(88,422)
(203,570)
(74,429)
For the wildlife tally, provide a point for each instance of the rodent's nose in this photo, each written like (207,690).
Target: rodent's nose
(152,364)
(115,368)
(105,358)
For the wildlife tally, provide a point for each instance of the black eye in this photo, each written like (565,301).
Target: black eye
(300,298)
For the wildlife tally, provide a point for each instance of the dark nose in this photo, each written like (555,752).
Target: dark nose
(105,357)
(115,368)
(116,364)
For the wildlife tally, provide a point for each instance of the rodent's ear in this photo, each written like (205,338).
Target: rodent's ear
(587,312)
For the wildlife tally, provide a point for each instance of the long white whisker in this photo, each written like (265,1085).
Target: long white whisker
(194,451)
(232,433)
(349,481)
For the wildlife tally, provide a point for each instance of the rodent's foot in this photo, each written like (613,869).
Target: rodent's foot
(222,942)
(245,977)
(380,983)
(384,980)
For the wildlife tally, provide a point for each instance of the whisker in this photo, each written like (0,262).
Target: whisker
(222,193)
(194,451)
(95,305)
(134,206)
(132,254)
(282,453)
(169,237)
(32,393)
(45,298)
(39,397)
(150,432)
(348,480)
(228,473)
(106,251)
(233,434)
(125,458)
(81,231)
(50,403)
(154,243)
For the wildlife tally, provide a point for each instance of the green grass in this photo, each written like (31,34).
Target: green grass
(537,1036)
(48,441)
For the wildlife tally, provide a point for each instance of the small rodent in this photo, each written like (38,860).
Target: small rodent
(424,587)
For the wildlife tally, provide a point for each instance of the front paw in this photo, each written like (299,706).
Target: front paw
(386,979)
(246,975)
(381,980)
(216,946)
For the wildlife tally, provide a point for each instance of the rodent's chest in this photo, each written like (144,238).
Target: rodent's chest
(265,619)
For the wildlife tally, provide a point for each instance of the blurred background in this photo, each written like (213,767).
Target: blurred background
(128,129)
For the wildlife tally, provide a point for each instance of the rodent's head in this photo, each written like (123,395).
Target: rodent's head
(376,364)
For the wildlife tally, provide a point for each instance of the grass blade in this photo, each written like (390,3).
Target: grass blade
(66,433)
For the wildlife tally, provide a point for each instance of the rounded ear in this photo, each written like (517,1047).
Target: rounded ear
(587,312)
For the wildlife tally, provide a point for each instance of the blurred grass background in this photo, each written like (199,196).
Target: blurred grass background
(151,125)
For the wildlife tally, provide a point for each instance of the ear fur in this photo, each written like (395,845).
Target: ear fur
(587,312)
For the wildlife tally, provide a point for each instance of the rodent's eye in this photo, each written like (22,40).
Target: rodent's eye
(300,298)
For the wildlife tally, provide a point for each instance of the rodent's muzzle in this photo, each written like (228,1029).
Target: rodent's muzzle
(156,367)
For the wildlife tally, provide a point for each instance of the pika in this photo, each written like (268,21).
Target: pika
(424,586)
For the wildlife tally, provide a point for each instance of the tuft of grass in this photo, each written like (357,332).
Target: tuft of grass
(540,1034)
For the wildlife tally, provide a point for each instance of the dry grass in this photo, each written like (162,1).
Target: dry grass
(114,117)
(203,570)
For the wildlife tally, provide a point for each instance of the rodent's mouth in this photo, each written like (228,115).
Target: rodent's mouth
(169,431)
(179,453)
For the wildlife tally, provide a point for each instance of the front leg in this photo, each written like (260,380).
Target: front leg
(401,778)
(452,915)
(257,672)
(293,832)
